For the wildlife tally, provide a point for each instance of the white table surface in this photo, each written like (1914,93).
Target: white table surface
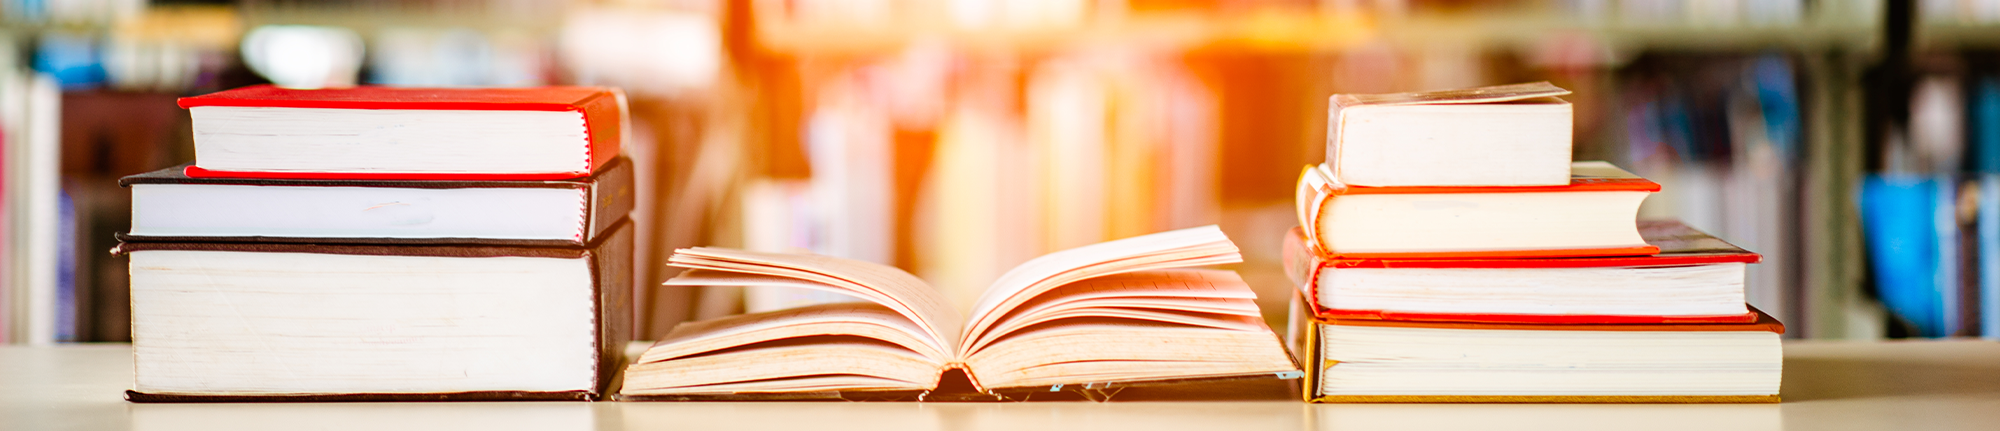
(1827,386)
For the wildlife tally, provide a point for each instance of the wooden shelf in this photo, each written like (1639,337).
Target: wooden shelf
(1951,36)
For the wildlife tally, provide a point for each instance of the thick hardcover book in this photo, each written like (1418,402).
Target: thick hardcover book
(229,322)
(1509,135)
(1088,321)
(1591,216)
(169,206)
(1382,361)
(1696,278)
(390,133)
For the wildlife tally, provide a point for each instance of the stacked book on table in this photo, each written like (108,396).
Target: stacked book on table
(1449,251)
(385,244)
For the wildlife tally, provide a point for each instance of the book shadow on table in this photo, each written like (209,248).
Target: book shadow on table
(1815,379)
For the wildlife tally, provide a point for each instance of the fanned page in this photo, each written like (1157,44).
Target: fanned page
(1200,246)
(1122,311)
(1194,297)
(854,346)
(879,320)
(899,291)
(1181,324)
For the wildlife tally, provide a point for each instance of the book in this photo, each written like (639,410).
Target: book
(168,205)
(1899,222)
(1593,215)
(223,321)
(33,190)
(1122,312)
(541,133)
(1386,361)
(1988,226)
(1509,135)
(1696,278)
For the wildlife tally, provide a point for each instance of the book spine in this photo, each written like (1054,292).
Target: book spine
(1989,256)
(612,263)
(603,119)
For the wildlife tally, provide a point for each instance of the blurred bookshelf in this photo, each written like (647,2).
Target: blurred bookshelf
(956,139)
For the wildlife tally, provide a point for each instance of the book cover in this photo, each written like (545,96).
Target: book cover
(601,109)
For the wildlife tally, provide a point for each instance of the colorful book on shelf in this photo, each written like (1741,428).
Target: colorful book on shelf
(167,205)
(1696,278)
(1591,216)
(1902,227)
(225,322)
(387,133)
(1988,249)
(1119,313)
(1386,361)
(1508,135)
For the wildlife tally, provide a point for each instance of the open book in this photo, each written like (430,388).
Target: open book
(1118,311)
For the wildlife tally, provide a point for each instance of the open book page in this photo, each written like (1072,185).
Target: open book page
(830,382)
(805,359)
(1200,297)
(860,319)
(905,293)
(1129,349)
(1199,246)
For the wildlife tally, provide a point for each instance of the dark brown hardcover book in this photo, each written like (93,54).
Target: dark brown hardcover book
(571,212)
(609,262)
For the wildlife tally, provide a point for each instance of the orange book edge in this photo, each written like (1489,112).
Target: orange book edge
(1316,186)
(1681,245)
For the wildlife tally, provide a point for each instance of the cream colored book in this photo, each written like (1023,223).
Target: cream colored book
(1120,311)
(1507,135)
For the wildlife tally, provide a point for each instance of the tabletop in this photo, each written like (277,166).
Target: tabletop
(1827,386)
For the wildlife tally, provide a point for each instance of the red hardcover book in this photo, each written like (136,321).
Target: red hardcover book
(1591,216)
(1696,278)
(1385,361)
(386,133)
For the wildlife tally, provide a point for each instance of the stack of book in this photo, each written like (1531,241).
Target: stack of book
(1449,251)
(385,244)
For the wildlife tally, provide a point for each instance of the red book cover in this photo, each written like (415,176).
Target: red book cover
(1679,245)
(599,105)
(1315,191)
(1758,322)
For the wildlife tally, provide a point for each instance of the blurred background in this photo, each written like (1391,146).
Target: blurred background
(1851,142)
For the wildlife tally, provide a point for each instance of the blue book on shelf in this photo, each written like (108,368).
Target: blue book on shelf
(1989,256)
(1898,221)
(1984,123)
(66,304)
